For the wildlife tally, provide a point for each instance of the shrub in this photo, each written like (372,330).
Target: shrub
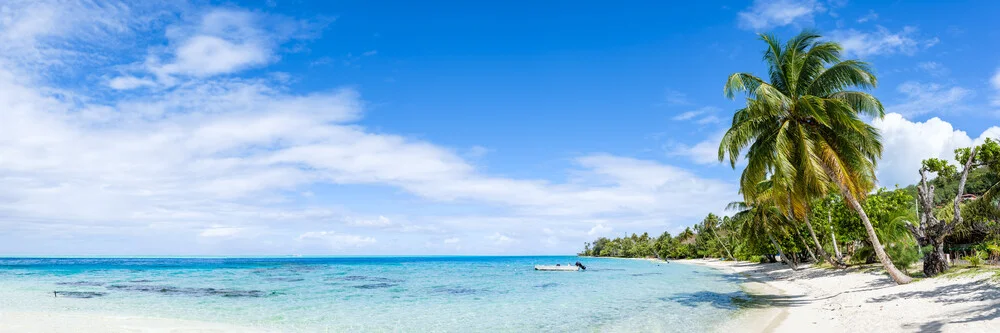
(975,259)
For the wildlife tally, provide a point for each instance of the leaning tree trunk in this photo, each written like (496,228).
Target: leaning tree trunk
(780,252)
(819,247)
(806,245)
(833,235)
(721,242)
(896,275)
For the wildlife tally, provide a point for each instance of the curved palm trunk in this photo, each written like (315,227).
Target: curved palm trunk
(819,247)
(896,275)
(723,243)
(806,245)
(780,252)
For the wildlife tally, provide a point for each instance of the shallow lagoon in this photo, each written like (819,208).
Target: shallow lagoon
(413,294)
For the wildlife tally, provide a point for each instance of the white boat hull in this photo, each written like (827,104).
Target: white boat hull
(567,268)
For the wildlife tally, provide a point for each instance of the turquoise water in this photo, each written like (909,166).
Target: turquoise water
(377,294)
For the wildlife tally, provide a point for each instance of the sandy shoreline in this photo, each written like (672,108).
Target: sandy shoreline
(826,300)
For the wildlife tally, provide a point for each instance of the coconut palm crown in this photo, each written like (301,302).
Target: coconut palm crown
(803,128)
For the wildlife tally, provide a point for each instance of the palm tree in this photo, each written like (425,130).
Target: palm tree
(757,214)
(803,129)
(709,224)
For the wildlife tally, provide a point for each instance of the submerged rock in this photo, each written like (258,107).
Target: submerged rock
(81,283)
(170,290)
(284,279)
(376,285)
(367,278)
(459,291)
(78,294)
(547,285)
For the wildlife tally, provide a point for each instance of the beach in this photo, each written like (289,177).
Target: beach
(859,300)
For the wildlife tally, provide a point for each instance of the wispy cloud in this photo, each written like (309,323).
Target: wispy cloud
(223,154)
(763,15)
(871,16)
(922,98)
(882,41)
(674,98)
(705,115)
(995,82)
(933,68)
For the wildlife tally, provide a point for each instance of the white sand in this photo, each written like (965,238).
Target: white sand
(826,300)
(43,322)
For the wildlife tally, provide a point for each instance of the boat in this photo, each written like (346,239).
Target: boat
(567,268)
(560,268)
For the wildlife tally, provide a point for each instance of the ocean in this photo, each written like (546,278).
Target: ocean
(380,294)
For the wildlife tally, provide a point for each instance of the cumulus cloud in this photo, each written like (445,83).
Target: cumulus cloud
(704,152)
(763,15)
(922,98)
(882,41)
(599,229)
(221,41)
(907,143)
(220,155)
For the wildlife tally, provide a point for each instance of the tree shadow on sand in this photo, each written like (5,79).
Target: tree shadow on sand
(973,291)
(735,300)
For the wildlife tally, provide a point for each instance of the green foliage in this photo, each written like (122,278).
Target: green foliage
(975,259)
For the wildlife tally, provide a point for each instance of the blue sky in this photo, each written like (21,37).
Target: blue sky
(299,127)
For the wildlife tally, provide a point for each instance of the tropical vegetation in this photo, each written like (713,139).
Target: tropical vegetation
(808,184)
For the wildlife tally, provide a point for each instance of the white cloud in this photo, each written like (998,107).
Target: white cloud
(687,115)
(500,239)
(673,97)
(380,221)
(337,240)
(129,82)
(37,33)
(871,16)
(763,15)
(218,155)
(221,232)
(221,41)
(453,240)
(933,68)
(370,53)
(706,112)
(599,229)
(906,144)
(708,120)
(882,41)
(995,82)
(704,152)
(923,98)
